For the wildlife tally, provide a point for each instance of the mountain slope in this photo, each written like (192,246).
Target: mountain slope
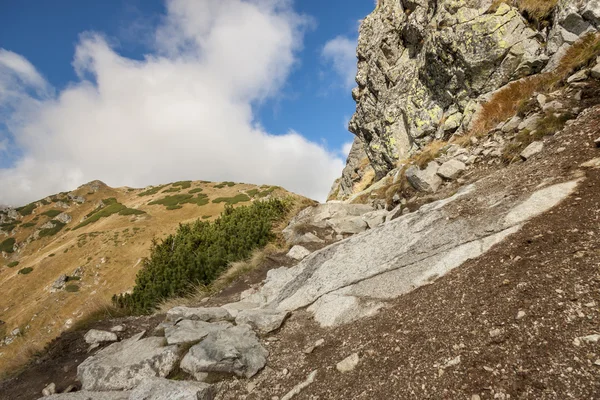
(63,257)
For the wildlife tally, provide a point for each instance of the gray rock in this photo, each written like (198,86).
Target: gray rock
(426,180)
(531,123)
(348,226)
(512,125)
(63,217)
(85,395)
(574,23)
(578,76)
(123,365)
(554,106)
(298,253)
(262,320)
(591,12)
(94,336)
(595,72)
(211,314)
(531,150)
(375,218)
(348,364)
(164,389)
(60,282)
(117,328)
(49,390)
(187,331)
(235,308)
(235,350)
(451,169)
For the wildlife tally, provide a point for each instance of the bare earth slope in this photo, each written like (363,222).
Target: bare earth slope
(99,259)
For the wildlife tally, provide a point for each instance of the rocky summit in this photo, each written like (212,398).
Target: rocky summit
(457,257)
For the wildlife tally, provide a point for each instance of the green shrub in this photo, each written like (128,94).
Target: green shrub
(51,255)
(194,191)
(52,231)
(28,225)
(25,271)
(240,198)
(252,192)
(175,207)
(52,213)
(27,210)
(73,278)
(205,216)
(219,186)
(111,206)
(44,202)
(183,184)
(152,191)
(72,288)
(199,252)
(172,190)
(7,245)
(176,201)
(12,264)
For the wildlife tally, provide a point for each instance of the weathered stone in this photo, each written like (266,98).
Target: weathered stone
(426,180)
(375,218)
(49,390)
(298,253)
(578,76)
(235,308)
(591,12)
(94,336)
(187,331)
(531,150)
(117,328)
(530,123)
(164,389)
(211,314)
(595,72)
(512,125)
(348,364)
(348,226)
(263,320)
(301,386)
(60,282)
(63,217)
(235,350)
(123,365)
(451,169)
(85,395)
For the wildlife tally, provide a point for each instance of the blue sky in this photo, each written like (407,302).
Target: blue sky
(296,93)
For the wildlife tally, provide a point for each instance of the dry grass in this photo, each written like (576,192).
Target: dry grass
(429,153)
(536,10)
(366,181)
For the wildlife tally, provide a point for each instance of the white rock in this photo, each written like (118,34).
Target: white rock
(298,253)
(117,328)
(210,314)
(348,364)
(451,169)
(521,315)
(235,308)
(375,218)
(164,389)
(301,386)
(595,72)
(49,390)
(531,150)
(578,76)
(94,336)
(263,320)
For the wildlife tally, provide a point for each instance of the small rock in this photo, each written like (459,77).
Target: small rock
(312,347)
(94,336)
(162,389)
(595,72)
(60,282)
(495,332)
(348,364)
(541,99)
(298,253)
(16,332)
(426,180)
(578,76)
(451,169)
(263,320)
(512,125)
(118,328)
(531,150)
(554,106)
(475,397)
(530,123)
(49,390)
(520,314)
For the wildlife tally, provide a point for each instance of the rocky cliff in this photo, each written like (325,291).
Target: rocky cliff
(426,66)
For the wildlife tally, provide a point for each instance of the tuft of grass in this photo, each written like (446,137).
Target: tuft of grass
(12,264)
(252,192)
(72,288)
(52,213)
(25,271)
(7,245)
(28,225)
(131,211)
(183,184)
(172,190)
(240,198)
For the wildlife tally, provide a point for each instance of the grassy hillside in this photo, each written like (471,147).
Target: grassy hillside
(97,236)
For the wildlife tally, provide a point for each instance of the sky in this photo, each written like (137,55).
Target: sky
(143,92)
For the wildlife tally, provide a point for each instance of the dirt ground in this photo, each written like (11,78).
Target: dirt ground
(502,326)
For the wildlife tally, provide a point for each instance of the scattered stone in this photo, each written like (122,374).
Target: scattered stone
(188,331)
(578,76)
(451,169)
(531,150)
(495,332)
(590,339)
(94,336)
(263,320)
(49,390)
(348,364)
(530,123)
(426,180)
(212,314)
(118,328)
(475,397)
(301,386)
(63,217)
(520,314)
(512,125)
(165,389)
(298,253)
(16,332)
(60,282)
(554,106)
(123,365)
(452,363)
(85,395)
(312,347)
(593,163)
(235,350)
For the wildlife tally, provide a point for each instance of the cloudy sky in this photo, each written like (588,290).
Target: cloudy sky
(143,92)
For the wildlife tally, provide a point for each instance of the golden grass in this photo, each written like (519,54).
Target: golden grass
(537,10)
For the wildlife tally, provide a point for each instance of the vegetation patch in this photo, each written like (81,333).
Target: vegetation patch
(199,252)
(25,271)
(9,226)
(111,206)
(72,288)
(152,191)
(52,213)
(7,245)
(183,184)
(267,192)
(28,225)
(27,210)
(240,198)
(52,231)
(12,264)
(196,190)
(176,201)
(172,190)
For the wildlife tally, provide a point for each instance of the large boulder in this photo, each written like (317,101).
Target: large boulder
(426,180)
(123,365)
(263,320)
(164,389)
(188,331)
(235,350)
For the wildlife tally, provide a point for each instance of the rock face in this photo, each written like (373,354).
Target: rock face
(188,331)
(232,351)
(164,389)
(349,279)
(424,67)
(123,365)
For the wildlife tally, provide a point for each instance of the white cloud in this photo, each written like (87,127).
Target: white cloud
(184,112)
(346,149)
(340,52)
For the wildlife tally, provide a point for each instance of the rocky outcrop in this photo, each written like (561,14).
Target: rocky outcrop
(424,68)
